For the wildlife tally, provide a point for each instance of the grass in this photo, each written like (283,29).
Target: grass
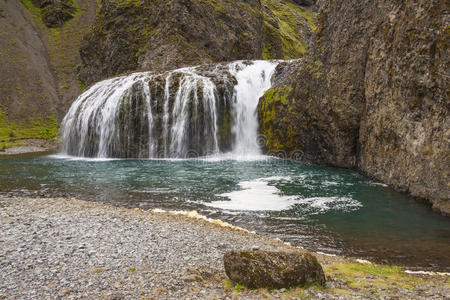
(64,42)
(14,134)
(360,279)
(287,16)
(372,276)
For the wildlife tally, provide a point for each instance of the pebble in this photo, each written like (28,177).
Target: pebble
(73,249)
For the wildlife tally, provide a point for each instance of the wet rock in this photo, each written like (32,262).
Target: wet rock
(261,269)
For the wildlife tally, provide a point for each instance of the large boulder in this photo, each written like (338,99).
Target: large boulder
(263,269)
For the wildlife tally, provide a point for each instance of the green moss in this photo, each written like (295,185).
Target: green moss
(283,25)
(64,43)
(217,5)
(273,110)
(35,11)
(81,86)
(15,133)
(362,276)
(239,287)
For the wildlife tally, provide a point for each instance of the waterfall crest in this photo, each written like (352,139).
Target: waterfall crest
(189,112)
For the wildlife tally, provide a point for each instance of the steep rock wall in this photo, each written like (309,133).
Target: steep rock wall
(38,63)
(131,35)
(373,95)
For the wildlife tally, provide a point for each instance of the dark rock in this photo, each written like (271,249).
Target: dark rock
(261,269)
(371,95)
(55,13)
(165,35)
(305,2)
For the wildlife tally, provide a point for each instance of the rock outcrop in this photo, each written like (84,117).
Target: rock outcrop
(133,35)
(38,63)
(261,269)
(55,13)
(46,62)
(372,95)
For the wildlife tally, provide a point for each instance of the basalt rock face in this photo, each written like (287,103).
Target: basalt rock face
(260,269)
(131,35)
(38,63)
(372,95)
(55,13)
(46,63)
(405,128)
(163,35)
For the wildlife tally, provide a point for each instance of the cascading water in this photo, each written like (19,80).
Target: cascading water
(198,111)
(253,81)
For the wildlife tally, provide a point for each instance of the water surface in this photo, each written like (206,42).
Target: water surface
(323,209)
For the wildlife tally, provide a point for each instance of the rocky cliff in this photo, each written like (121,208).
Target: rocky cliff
(131,35)
(49,52)
(39,54)
(372,95)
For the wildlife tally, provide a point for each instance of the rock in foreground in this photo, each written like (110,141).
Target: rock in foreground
(262,269)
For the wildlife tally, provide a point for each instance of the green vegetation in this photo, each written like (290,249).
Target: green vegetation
(282,23)
(359,279)
(273,109)
(64,42)
(1,13)
(367,276)
(229,285)
(16,133)
(35,11)
(132,269)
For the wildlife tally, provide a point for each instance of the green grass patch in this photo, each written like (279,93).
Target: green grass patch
(288,18)
(363,276)
(14,134)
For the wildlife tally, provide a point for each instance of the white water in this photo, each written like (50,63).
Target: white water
(256,195)
(128,117)
(261,195)
(253,81)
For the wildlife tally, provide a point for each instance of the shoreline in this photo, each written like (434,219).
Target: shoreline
(82,249)
(31,147)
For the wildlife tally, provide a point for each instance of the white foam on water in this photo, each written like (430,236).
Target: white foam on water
(235,157)
(377,184)
(79,158)
(318,205)
(256,195)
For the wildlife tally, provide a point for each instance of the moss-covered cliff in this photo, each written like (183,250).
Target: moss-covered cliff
(38,60)
(133,35)
(372,94)
(49,52)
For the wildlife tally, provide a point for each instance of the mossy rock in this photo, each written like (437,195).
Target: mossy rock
(55,13)
(263,269)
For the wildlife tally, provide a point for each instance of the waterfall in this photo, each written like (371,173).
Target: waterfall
(197,111)
(253,81)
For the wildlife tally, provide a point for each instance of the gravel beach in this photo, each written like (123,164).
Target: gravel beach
(30,147)
(73,249)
